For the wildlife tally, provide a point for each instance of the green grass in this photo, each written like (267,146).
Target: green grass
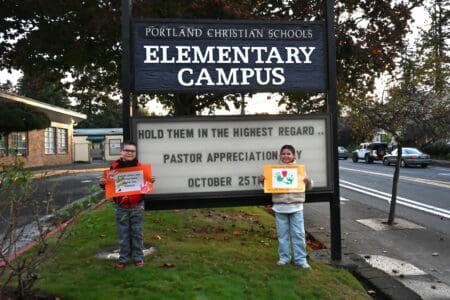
(216,254)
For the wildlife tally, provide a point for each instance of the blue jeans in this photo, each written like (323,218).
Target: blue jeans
(130,227)
(290,227)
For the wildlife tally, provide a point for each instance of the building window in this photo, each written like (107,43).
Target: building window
(50,140)
(62,140)
(3,145)
(114,147)
(55,140)
(20,143)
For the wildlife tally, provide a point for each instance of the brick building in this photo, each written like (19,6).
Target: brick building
(47,147)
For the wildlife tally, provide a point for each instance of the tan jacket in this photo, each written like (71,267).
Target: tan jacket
(291,198)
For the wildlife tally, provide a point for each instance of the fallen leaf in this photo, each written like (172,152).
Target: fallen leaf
(168,265)
(158,237)
(236,233)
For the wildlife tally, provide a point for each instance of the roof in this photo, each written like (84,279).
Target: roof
(97,131)
(54,113)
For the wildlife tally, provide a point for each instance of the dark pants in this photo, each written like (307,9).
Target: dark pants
(130,227)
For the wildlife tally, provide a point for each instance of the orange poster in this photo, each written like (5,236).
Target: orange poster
(128,181)
(284,178)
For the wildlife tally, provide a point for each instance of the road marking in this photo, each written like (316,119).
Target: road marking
(419,180)
(400,200)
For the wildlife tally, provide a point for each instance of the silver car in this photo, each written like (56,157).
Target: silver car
(410,156)
(342,152)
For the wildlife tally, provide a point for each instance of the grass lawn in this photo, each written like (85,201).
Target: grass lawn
(226,253)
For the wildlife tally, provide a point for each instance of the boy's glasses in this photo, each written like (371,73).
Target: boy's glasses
(129,150)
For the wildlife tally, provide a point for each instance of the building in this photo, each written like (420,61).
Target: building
(92,144)
(39,148)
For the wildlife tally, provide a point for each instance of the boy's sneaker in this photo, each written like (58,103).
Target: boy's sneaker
(139,263)
(281,263)
(120,266)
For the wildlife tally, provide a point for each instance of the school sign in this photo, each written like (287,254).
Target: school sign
(177,56)
(215,161)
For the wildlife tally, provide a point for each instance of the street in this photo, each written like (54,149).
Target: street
(58,191)
(423,194)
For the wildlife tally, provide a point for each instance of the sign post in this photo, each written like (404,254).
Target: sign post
(335,206)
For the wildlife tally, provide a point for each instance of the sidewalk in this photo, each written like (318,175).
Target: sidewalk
(384,257)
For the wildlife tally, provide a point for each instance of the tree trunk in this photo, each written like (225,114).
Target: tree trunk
(184,104)
(391,217)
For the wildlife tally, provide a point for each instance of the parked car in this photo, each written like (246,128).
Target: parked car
(410,156)
(342,152)
(370,152)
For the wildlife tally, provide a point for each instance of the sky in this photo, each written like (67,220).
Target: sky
(263,102)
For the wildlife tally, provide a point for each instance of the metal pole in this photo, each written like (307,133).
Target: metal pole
(242,104)
(335,210)
(125,74)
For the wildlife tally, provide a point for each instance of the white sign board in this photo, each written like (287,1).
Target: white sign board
(224,154)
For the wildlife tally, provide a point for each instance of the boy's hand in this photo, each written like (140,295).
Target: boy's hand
(262,178)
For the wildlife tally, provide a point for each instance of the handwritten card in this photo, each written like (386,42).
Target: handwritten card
(128,181)
(284,178)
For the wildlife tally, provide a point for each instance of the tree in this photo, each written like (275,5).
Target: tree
(8,86)
(435,49)
(369,38)
(19,117)
(42,90)
(83,38)
(303,103)
(344,132)
(409,112)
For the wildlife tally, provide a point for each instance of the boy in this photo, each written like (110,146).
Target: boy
(129,213)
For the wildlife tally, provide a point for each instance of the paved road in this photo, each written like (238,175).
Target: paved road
(423,194)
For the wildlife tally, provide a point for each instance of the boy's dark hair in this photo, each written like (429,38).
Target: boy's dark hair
(124,143)
(288,147)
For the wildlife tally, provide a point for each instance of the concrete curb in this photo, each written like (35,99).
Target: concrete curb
(440,163)
(384,285)
(48,173)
